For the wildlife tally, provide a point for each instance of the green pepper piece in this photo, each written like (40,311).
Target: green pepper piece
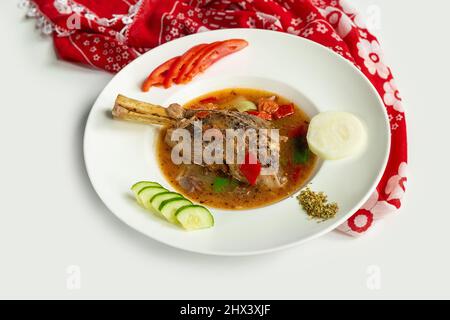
(220,184)
(301,156)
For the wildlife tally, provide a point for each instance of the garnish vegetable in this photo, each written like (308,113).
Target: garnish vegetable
(316,205)
(336,135)
(184,68)
(172,206)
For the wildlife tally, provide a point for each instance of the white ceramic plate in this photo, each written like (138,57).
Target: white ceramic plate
(118,154)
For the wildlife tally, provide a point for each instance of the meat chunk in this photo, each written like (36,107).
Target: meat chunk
(273,181)
(268,105)
(190,182)
(175,111)
(222,120)
(175,116)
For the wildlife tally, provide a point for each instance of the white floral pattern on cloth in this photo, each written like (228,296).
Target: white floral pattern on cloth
(392,95)
(396,185)
(341,22)
(79,11)
(376,208)
(372,210)
(69,6)
(108,49)
(373,57)
(42,22)
(356,16)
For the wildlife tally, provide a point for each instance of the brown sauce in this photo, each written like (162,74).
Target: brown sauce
(238,195)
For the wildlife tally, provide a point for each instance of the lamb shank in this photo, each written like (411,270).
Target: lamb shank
(175,116)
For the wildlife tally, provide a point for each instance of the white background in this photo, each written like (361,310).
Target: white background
(51,217)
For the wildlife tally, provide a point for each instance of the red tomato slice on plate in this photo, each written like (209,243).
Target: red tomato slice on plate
(177,68)
(203,54)
(168,76)
(251,168)
(211,54)
(187,67)
(157,76)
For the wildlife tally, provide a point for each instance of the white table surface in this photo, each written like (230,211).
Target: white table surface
(51,217)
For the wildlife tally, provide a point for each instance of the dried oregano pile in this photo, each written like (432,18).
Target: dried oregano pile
(316,205)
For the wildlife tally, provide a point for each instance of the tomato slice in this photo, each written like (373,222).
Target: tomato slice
(189,72)
(284,111)
(202,114)
(168,76)
(174,74)
(183,68)
(226,48)
(158,75)
(189,65)
(175,69)
(251,168)
(208,100)
(261,114)
(211,54)
(298,131)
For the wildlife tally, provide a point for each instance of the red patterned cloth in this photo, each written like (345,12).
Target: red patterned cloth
(108,34)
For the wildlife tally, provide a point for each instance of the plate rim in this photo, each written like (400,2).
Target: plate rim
(332,226)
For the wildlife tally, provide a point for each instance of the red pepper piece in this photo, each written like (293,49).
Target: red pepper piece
(208,100)
(180,66)
(158,75)
(251,168)
(284,111)
(213,53)
(202,114)
(261,114)
(297,132)
(296,173)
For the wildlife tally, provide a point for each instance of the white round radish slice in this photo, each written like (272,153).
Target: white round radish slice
(336,135)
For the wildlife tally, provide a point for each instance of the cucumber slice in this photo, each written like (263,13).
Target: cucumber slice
(169,207)
(147,193)
(160,197)
(138,186)
(194,217)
